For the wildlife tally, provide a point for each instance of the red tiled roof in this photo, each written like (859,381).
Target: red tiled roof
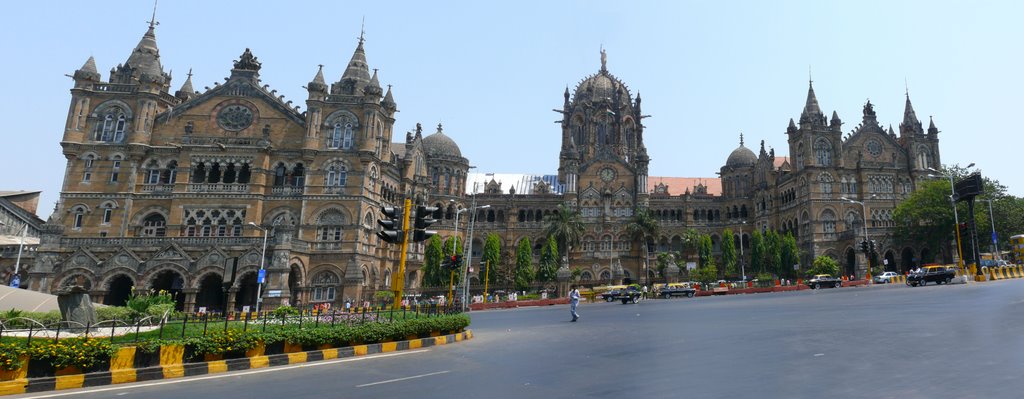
(679,185)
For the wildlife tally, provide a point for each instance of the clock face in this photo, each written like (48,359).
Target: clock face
(607,174)
(874,147)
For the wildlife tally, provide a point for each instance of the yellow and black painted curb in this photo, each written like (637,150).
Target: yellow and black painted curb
(122,368)
(1006,272)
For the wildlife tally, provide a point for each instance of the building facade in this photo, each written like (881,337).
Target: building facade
(166,191)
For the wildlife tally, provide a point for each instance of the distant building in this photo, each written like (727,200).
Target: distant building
(19,233)
(162,190)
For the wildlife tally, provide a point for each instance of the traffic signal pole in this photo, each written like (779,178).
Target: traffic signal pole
(398,281)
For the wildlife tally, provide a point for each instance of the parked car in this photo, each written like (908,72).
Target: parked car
(935,274)
(824,280)
(609,292)
(629,294)
(885,277)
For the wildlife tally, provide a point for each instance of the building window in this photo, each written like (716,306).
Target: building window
(154,226)
(115,171)
(826,181)
(336,136)
(79,216)
(347,140)
(325,285)
(337,176)
(828,221)
(206,222)
(329,226)
(823,152)
(107,211)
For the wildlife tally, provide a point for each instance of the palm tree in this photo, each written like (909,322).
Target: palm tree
(566,226)
(643,227)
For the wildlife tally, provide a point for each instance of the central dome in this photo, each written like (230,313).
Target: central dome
(600,86)
(440,145)
(741,156)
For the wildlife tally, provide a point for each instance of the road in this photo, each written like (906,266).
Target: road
(962,341)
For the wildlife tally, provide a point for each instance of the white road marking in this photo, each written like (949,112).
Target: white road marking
(403,379)
(230,374)
(819,354)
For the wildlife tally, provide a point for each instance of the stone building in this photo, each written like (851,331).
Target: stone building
(603,174)
(19,233)
(163,191)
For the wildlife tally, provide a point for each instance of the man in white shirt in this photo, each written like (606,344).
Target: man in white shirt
(574,299)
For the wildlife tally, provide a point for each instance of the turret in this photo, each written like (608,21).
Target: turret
(186,92)
(317,88)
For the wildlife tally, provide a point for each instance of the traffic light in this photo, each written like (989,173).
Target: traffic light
(446,263)
(453,262)
(392,224)
(424,218)
(871,245)
(864,246)
(457,261)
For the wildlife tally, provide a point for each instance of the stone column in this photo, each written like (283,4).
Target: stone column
(564,277)
(190,298)
(232,294)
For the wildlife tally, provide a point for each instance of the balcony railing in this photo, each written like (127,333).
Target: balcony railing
(157,188)
(288,190)
(218,188)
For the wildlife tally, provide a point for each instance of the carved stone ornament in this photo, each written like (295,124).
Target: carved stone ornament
(235,117)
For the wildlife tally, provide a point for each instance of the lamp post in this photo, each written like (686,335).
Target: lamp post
(263,259)
(956,217)
(16,279)
(995,246)
(864,215)
(743,265)
(454,246)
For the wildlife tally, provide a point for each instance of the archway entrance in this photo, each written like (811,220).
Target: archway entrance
(211,293)
(119,290)
(907,259)
(890,261)
(851,261)
(246,295)
(172,282)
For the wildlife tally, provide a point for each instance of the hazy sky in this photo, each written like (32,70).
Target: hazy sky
(491,72)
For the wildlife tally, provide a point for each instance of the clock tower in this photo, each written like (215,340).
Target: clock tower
(603,161)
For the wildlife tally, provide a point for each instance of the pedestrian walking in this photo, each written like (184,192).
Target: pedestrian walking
(645,291)
(574,299)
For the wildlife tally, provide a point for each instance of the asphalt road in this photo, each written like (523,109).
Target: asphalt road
(962,341)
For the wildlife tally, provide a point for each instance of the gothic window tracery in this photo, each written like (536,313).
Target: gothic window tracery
(88,162)
(828,223)
(154,225)
(329,226)
(213,222)
(325,285)
(826,180)
(823,152)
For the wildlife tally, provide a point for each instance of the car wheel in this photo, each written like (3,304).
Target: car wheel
(689,295)
(909,283)
(922,282)
(666,296)
(635,299)
(949,280)
(839,284)
(814,287)
(609,299)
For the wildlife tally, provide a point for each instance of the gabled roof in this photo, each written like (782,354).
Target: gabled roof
(680,185)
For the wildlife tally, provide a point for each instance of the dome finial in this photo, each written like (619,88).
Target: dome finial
(152,21)
(741,139)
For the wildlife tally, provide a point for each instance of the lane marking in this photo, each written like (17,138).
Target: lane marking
(231,374)
(402,379)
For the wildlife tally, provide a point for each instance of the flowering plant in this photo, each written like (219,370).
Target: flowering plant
(79,352)
(10,356)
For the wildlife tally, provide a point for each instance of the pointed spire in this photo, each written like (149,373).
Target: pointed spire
(319,78)
(932,130)
(145,58)
(812,112)
(891,132)
(389,100)
(357,74)
(373,88)
(910,124)
(186,92)
(88,71)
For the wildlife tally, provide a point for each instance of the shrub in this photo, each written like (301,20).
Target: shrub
(10,356)
(79,352)
(284,311)
(104,313)
(231,340)
(824,265)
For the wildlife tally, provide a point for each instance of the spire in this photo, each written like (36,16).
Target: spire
(373,88)
(356,75)
(186,92)
(741,139)
(318,85)
(145,58)
(835,119)
(389,101)
(791,129)
(910,122)
(932,130)
(319,78)
(812,112)
(88,71)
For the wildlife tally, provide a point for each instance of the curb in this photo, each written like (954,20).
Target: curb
(119,375)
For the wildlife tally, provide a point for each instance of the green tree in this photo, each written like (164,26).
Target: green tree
(691,241)
(432,263)
(524,265)
(773,252)
(547,269)
(566,226)
(757,252)
(704,248)
(491,257)
(643,228)
(729,253)
(790,254)
(825,265)
(705,274)
(662,261)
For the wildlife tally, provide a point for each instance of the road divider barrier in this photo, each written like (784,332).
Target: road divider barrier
(1003,273)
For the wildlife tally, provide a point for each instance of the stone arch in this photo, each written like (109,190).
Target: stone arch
(119,287)
(890,261)
(75,276)
(171,280)
(209,292)
(851,261)
(907,259)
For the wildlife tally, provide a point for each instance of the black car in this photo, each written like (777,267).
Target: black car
(934,274)
(630,294)
(824,280)
(668,292)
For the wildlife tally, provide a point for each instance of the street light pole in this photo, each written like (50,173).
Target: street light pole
(995,246)
(956,217)
(263,259)
(743,265)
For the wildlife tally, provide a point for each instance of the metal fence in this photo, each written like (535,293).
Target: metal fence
(190,324)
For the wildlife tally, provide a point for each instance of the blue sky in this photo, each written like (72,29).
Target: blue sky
(491,72)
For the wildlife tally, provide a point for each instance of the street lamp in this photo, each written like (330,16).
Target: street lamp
(864,215)
(743,266)
(956,217)
(262,274)
(16,278)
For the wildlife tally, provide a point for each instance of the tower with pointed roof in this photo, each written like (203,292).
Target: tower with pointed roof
(816,141)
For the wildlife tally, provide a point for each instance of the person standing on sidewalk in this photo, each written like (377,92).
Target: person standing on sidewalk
(574,299)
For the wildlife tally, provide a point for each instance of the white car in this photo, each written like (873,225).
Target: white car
(885,277)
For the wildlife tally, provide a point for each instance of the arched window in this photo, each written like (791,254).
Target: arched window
(325,285)
(199,173)
(108,210)
(922,158)
(826,181)
(346,142)
(152,173)
(89,160)
(119,128)
(823,152)
(79,212)
(329,226)
(279,175)
(154,226)
(337,175)
(336,136)
(828,223)
(108,128)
